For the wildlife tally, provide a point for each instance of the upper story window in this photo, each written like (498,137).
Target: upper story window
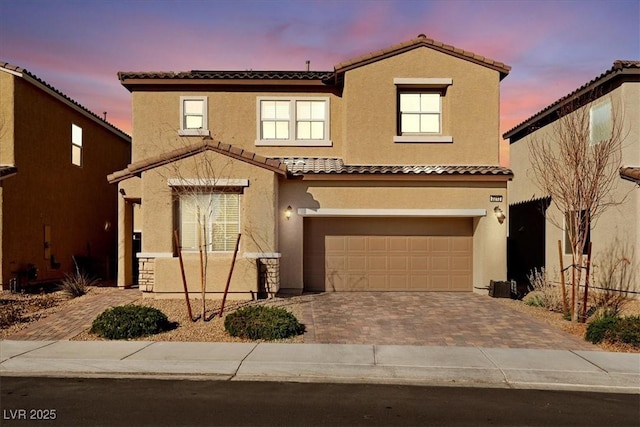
(600,122)
(293,121)
(193,116)
(76,145)
(420,113)
(420,109)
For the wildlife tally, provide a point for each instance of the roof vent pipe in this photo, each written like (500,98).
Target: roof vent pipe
(308,64)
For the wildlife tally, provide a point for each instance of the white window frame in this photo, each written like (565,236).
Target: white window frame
(293,140)
(204,131)
(76,145)
(599,125)
(229,242)
(422,86)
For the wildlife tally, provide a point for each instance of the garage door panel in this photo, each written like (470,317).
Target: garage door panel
(398,263)
(376,244)
(399,244)
(356,243)
(355,255)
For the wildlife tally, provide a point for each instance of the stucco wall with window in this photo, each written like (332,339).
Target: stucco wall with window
(470,111)
(77,203)
(232,118)
(160,218)
(620,222)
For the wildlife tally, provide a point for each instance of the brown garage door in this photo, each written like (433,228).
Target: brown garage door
(384,254)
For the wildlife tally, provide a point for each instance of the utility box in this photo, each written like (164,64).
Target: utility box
(499,289)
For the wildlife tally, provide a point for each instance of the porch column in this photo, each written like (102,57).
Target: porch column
(125,243)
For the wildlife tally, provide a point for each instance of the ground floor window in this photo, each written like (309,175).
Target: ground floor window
(212,218)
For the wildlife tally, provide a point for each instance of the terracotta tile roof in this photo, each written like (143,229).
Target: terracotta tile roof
(631,174)
(419,41)
(229,75)
(207,144)
(628,70)
(6,171)
(38,81)
(298,166)
(326,77)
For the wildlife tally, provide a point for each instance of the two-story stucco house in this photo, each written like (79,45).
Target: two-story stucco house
(533,237)
(55,201)
(380,175)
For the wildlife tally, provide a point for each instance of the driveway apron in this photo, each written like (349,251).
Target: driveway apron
(428,319)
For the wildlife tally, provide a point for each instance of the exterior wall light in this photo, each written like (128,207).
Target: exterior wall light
(499,214)
(288,212)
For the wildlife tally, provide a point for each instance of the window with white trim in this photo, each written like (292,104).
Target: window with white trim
(420,113)
(193,116)
(76,145)
(293,121)
(600,124)
(209,218)
(420,109)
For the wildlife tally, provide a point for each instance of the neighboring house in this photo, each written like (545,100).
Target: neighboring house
(533,239)
(55,201)
(380,175)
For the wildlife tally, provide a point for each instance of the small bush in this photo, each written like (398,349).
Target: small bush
(77,284)
(10,314)
(260,322)
(545,293)
(615,330)
(129,321)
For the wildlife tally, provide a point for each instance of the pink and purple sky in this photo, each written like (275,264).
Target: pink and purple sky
(78,46)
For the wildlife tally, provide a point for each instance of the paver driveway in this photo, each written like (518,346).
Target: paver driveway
(427,318)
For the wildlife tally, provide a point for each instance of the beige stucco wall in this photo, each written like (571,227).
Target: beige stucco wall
(257,224)
(489,237)
(77,202)
(620,222)
(232,119)
(470,111)
(6,118)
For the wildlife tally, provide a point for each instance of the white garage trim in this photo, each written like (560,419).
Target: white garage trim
(433,213)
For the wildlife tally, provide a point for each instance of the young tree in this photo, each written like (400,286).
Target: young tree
(576,163)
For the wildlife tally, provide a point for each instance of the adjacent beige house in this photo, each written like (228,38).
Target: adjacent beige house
(380,175)
(533,239)
(55,201)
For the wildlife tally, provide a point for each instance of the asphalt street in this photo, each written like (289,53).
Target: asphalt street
(52,402)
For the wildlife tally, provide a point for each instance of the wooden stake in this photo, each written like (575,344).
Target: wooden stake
(184,278)
(586,286)
(564,290)
(202,284)
(233,263)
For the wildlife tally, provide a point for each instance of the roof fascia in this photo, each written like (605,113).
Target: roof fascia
(504,71)
(616,77)
(69,103)
(404,177)
(136,169)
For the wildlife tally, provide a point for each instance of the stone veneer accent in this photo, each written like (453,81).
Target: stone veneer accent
(269,275)
(146,273)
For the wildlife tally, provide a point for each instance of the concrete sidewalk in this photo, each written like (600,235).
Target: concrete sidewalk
(455,366)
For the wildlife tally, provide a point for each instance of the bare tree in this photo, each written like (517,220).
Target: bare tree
(576,164)
(196,188)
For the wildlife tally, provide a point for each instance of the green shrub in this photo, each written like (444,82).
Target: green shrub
(597,330)
(615,330)
(261,322)
(129,321)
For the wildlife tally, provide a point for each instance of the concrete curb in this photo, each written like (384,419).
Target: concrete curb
(339,363)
